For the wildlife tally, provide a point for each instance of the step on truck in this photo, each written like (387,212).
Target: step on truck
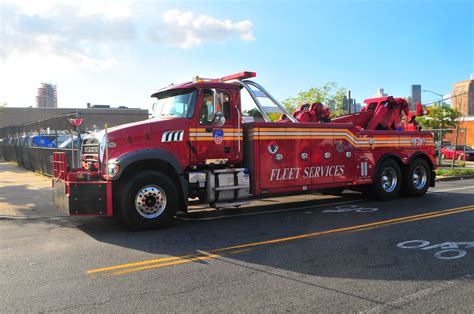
(226,141)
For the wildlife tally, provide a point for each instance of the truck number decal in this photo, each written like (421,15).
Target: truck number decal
(418,141)
(279,174)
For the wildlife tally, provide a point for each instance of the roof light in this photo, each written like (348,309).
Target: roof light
(239,76)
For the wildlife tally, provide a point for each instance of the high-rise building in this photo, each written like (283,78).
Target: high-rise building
(462,97)
(380,93)
(415,96)
(47,96)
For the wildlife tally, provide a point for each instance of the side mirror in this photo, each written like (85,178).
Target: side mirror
(219,119)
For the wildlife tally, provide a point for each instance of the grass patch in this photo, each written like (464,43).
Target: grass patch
(454,172)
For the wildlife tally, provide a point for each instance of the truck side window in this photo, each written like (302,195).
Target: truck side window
(213,102)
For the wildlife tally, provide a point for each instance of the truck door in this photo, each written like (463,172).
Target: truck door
(216,143)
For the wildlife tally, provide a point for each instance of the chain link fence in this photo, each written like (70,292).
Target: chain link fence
(31,145)
(451,148)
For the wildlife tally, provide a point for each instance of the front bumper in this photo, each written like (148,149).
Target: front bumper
(83,198)
(79,193)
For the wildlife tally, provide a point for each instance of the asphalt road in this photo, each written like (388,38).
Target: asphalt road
(301,256)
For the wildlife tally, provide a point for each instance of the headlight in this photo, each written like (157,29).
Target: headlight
(112,169)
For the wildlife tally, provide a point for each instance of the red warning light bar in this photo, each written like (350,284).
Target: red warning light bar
(239,76)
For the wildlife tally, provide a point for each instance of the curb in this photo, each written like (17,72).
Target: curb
(454,178)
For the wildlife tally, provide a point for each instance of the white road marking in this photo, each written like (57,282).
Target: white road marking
(269,211)
(348,208)
(420,294)
(453,189)
(448,250)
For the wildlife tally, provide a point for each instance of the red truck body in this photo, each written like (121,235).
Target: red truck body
(224,160)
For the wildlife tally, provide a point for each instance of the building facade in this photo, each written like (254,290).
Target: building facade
(47,96)
(462,97)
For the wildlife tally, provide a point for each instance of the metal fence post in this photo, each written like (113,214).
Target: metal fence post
(455,149)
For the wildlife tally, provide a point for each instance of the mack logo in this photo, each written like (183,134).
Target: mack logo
(279,174)
(91,149)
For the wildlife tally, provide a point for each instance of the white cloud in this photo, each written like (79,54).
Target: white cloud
(184,29)
(72,31)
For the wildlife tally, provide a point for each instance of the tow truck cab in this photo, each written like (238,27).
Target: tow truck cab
(199,145)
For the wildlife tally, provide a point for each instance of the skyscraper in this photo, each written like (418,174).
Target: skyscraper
(415,96)
(47,96)
(380,93)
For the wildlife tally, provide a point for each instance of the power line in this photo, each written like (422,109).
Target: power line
(447,98)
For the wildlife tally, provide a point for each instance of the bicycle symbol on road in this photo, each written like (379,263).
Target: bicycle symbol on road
(349,208)
(447,250)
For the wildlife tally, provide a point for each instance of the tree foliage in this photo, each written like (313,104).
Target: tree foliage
(440,117)
(329,95)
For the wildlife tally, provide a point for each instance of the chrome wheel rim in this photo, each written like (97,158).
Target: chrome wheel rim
(419,177)
(150,201)
(389,179)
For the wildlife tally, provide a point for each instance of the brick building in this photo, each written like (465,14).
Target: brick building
(462,97)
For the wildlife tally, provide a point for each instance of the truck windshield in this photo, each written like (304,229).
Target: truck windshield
(177,104)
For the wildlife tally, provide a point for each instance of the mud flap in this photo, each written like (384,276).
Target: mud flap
(83,198)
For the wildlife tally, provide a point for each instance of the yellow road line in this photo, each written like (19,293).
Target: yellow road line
(170,261)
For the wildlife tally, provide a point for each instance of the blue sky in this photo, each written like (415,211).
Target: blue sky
(118,54)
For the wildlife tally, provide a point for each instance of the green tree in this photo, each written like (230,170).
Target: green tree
(329,94)
(2,105)
(440,117)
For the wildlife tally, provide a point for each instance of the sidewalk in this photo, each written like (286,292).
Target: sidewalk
(24,193)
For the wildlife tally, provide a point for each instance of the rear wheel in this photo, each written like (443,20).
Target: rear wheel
(149,200)
(417,178)
(387,180)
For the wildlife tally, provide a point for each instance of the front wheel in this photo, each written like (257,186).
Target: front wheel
(149,200)
(387,180)
(417,178)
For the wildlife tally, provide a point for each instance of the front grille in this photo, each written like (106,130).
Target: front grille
(90,150)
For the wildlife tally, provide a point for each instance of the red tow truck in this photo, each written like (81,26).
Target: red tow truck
(199,144)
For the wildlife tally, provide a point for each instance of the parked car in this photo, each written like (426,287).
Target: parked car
(462,152)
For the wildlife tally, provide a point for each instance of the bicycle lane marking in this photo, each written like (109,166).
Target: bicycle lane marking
(447,250)
(215,253)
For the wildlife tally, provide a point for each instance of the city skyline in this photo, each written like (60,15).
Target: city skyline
(119,54)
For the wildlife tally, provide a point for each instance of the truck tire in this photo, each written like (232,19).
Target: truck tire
(387,180)
(416,178)
(149,200)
